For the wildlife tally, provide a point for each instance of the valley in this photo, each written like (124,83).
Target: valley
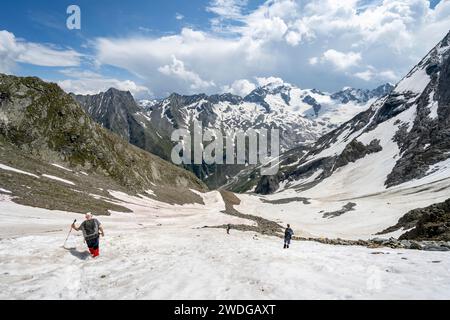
(364,182)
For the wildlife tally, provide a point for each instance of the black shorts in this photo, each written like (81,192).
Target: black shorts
(93,243)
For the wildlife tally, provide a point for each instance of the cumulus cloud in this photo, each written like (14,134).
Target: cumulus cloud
(267,29)
(298,32)
(213,59)
(295,40)
(263,81)
(243,87)
(365,75)
(227,9)
(177,69)
(240,87)
(88,82)
(342,60)
(371,73)
(313,61)
(14,50)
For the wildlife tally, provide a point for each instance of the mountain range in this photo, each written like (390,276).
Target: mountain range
(302,116)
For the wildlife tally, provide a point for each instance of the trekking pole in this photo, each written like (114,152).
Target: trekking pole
(69,233)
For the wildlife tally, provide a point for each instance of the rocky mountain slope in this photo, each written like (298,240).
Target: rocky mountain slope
(118,111)
(48,144)
(427,223)
(363,177)
(405,134)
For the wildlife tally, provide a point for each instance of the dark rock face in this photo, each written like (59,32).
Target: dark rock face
(433,223)
(228,97)
(428,141)
(311,101)
(382,90)
(443,96)
(430,223)
(111,109)
(392,106)
(3,97)
(356,150)
(258,96)
(117,111)
(348,207)
(360,95)
(268,185)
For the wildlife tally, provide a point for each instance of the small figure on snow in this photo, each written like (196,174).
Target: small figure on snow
(228,228)
(92,229)
(288,233)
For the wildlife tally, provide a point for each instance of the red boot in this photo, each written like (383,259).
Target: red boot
(92,251)
(96,252)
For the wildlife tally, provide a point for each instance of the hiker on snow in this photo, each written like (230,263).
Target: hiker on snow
(91,228)
(288,233)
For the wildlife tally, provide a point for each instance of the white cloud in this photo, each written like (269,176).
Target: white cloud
(295,40)
(372,73)
(178,70)
(299,32)
(365,75)
(267,29)
(240,87)
(313,61)
(342,60)
(13,51)
(213,59)
(189,36)
(263,81)
(88,82)
(179,16)
(388,75)
(40,55)
(227,9)
(8,51)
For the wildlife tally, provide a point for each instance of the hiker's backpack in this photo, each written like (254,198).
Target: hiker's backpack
(288,233)
(90,229)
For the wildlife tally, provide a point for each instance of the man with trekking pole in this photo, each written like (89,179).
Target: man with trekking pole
(92,229)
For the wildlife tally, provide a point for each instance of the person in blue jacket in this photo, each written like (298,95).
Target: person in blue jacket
(288,233)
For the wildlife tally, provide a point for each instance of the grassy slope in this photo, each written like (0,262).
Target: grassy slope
(40,124)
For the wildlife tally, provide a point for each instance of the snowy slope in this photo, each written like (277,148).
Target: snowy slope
(373,212)
(387,160)
(158,252)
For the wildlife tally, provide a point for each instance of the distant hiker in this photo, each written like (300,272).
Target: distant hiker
(288,233)
(228,228)
(91,228)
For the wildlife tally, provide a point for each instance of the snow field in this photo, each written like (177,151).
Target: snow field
(159,252)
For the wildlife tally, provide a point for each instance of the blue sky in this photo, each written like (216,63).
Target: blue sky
(153,48)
